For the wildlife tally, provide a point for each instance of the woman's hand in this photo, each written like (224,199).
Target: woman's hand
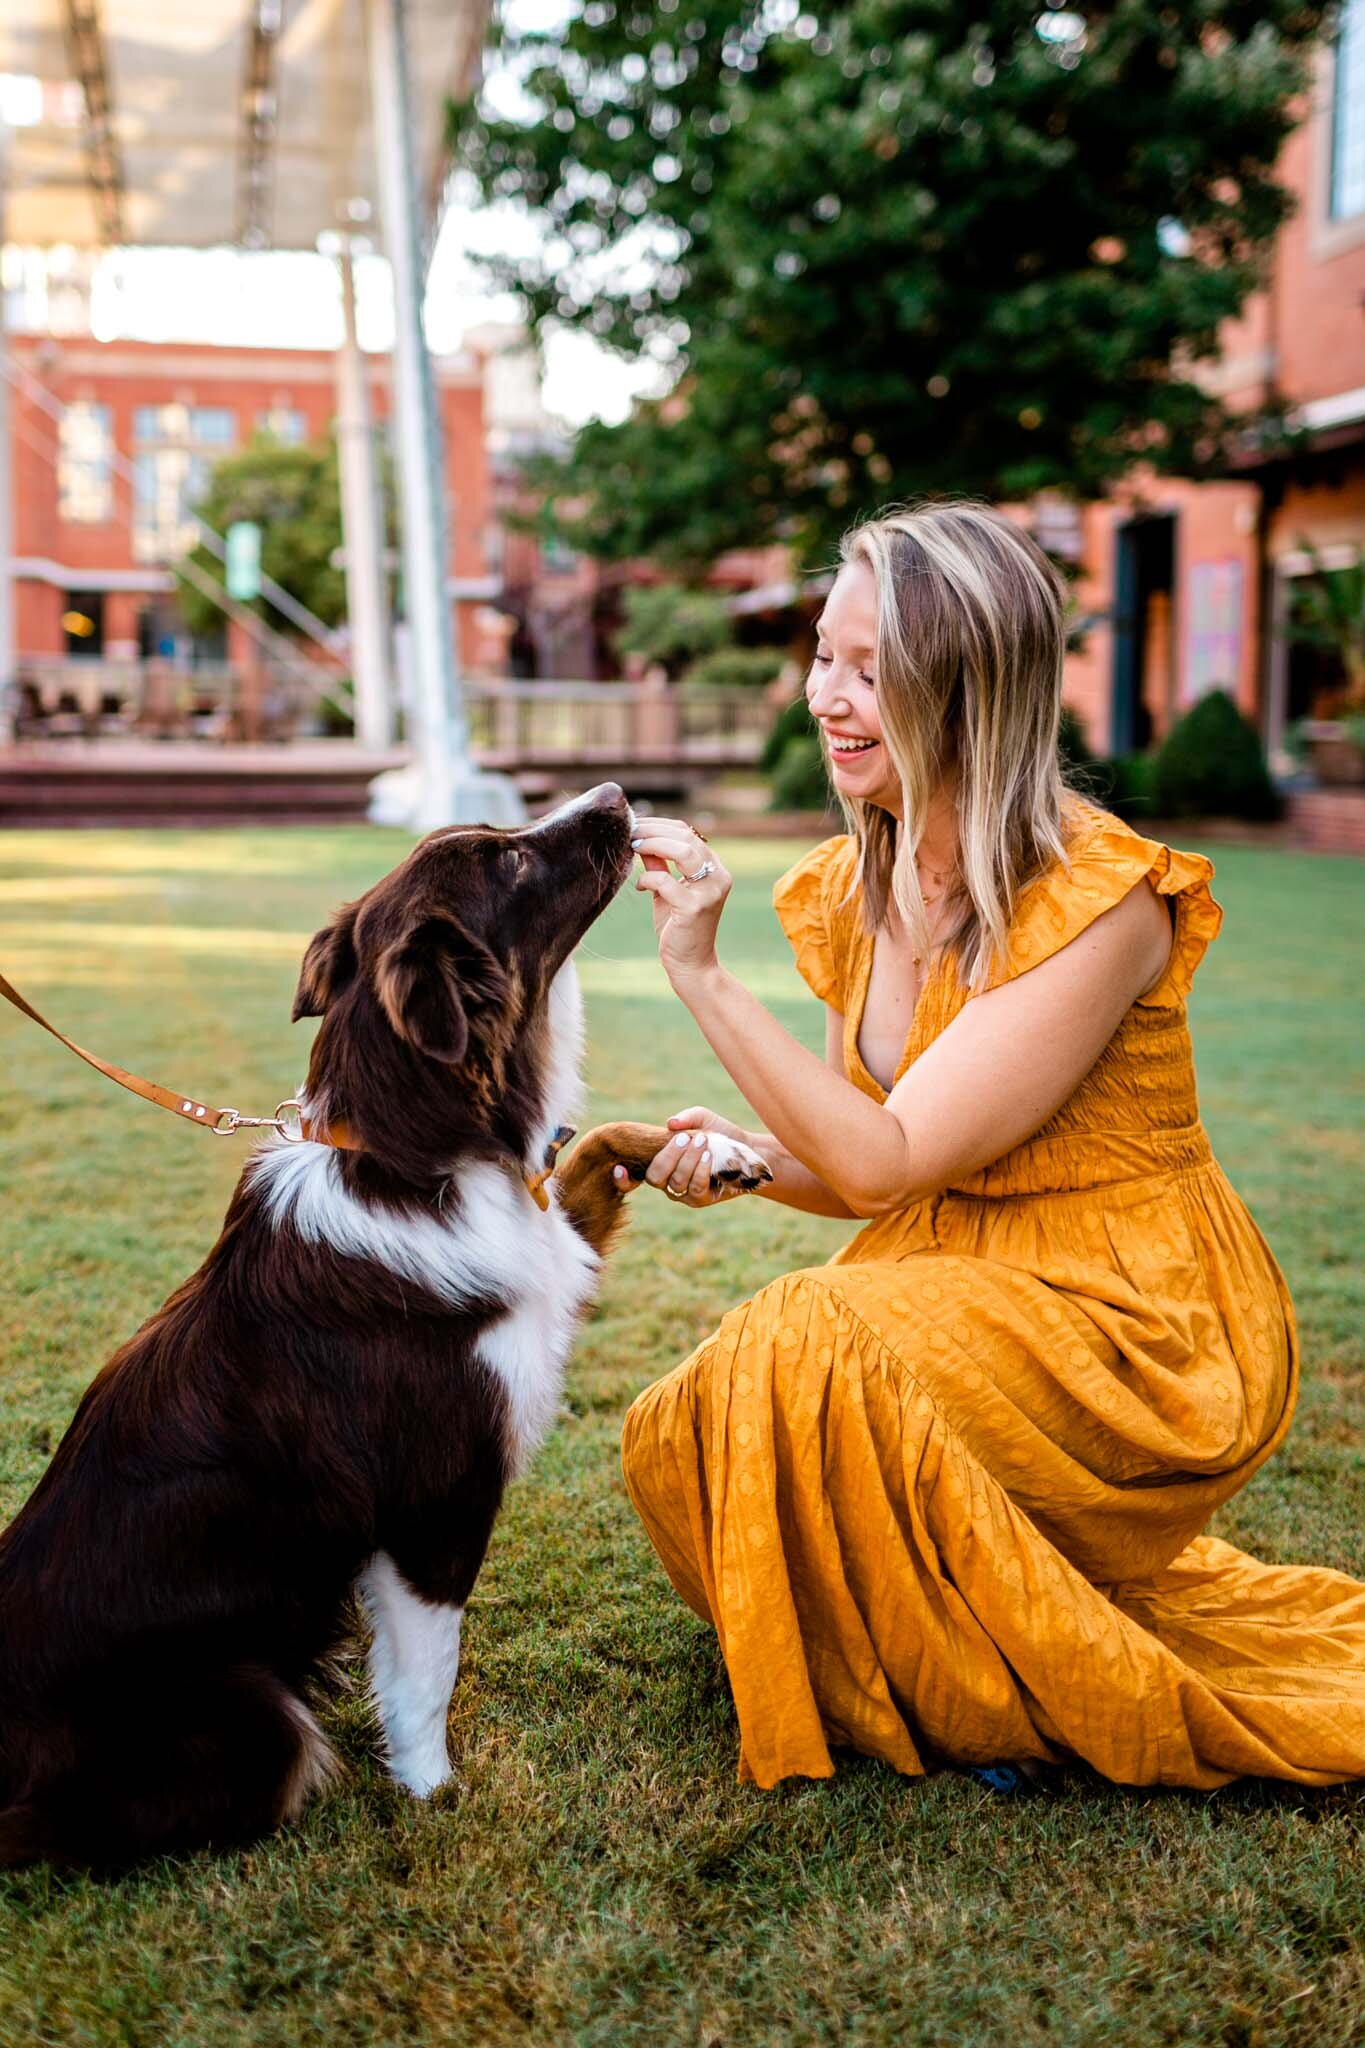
(686,913)
(708,1160)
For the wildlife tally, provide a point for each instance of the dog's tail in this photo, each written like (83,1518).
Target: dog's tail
(218,1764)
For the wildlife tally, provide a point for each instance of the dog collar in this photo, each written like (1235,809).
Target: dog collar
(337,1133)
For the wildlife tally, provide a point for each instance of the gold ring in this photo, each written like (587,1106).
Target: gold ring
(675,1194)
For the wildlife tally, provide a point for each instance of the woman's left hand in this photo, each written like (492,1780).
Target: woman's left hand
(687,906)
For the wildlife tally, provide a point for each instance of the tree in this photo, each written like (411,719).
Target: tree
(666,623)
(890,246)
(294,495)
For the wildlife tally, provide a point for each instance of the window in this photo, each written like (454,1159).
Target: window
(285,424)
(85,464)
(1348,114)
(178,446)
(213,426)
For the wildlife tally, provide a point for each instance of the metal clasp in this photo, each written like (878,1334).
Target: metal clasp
(287,1120)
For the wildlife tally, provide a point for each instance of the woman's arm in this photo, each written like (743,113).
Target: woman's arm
(1005,1064)
(794,1186)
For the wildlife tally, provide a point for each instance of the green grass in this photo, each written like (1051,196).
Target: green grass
(596,1875)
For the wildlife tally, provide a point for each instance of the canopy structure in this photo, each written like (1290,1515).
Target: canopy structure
(268,124)
(195,123)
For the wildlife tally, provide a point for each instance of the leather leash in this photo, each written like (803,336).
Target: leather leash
(289,1118)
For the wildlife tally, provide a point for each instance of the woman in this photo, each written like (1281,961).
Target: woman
(942,1498)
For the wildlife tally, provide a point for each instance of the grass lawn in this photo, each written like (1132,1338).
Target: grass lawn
(596,1875)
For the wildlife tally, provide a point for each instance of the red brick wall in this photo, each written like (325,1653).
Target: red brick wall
(125,375)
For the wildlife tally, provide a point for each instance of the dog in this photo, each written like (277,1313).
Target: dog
(337,1398)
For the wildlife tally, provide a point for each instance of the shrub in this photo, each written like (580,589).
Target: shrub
(1211,764)
(669,623)
(1131,785)
(737,668)
(1081,770)
(799,779)
(793,721)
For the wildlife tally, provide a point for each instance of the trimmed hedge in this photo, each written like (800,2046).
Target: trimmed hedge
(799,781)
(1211,764)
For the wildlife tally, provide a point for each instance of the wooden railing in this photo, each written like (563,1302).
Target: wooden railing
(59,697)
(513,725)
(525,724)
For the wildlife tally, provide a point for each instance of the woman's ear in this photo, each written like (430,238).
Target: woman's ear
(328,965)
(431,979)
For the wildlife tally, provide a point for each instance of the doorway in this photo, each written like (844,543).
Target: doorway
(1144,632)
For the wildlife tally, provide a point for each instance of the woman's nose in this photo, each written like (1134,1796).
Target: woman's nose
(825,694)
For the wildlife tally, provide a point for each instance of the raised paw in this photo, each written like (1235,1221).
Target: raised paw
(735,1164)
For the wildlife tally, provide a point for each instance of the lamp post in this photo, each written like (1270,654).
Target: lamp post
(443,787)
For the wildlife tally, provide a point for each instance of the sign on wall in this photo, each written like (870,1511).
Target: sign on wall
(1213,640)
(243,562)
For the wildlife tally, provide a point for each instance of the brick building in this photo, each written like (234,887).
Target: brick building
(1190,583)
(93,533)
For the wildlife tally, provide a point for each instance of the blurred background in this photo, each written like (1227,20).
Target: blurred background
(416,411)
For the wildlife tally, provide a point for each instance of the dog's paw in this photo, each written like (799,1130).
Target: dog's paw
(421,1776)
(735,1164)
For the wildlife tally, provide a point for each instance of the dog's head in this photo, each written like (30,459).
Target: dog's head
(433,988)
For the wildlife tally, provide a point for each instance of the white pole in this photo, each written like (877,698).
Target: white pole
(448,791)
(362,528)
(7,634)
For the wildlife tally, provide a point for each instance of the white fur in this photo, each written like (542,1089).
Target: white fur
(414,1662)
(563,1087)
(727,1152)
(483,1250)
(526,1348)
(498,1243)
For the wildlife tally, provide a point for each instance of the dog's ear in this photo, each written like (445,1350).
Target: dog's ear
(431,979)
(328,965)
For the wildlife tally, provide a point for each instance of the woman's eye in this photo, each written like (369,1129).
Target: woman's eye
(824,659)
(866,679)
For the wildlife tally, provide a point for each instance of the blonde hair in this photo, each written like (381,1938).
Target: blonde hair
(970,639)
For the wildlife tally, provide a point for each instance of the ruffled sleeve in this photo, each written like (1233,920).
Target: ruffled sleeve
(810,906)
(1107,860)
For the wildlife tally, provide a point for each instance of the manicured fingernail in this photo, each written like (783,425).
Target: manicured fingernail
(700,1138)
(706,1158)
(618,1173)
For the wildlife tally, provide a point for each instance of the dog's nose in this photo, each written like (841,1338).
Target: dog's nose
(608,796)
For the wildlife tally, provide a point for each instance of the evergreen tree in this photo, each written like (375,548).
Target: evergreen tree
(890,246)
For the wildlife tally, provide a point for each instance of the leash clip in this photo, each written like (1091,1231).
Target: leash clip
(287,1120)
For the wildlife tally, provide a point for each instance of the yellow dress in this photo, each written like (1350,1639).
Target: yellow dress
(942,1497)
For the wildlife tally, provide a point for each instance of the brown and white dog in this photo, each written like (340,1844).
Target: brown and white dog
(337,1398)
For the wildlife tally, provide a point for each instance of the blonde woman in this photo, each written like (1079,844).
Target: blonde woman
(943,1498)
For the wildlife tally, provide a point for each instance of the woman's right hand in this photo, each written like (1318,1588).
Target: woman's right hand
(686,1168)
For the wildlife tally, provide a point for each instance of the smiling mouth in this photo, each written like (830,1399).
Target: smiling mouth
(845,749)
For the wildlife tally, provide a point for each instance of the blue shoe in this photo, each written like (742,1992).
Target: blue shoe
(999,1777)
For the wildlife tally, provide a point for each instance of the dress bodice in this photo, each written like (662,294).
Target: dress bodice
(1136,1111)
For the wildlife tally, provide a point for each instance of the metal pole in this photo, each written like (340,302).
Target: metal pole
(447,788)
(362,528)
(7,634)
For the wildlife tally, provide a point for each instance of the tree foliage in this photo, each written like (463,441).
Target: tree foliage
(888,247)
(666,623)
(294,495)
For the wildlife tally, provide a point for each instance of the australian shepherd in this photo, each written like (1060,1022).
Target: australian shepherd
(337,1398)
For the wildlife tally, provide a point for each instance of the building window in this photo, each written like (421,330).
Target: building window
(1348,114)
(85,464)
(284,424)
(177,448)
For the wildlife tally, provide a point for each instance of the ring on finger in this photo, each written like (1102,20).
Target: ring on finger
(708,867)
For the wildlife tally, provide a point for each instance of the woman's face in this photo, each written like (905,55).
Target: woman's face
(841,691)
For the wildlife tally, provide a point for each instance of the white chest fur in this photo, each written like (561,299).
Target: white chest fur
(495,1242)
